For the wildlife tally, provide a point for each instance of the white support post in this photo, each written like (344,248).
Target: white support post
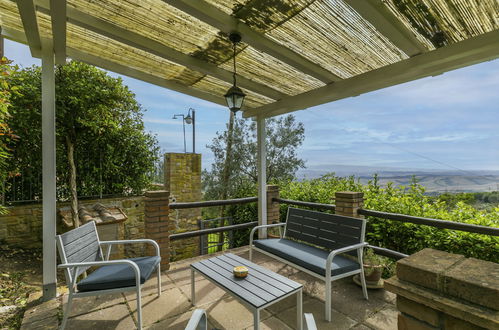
(49,171)
(262,175)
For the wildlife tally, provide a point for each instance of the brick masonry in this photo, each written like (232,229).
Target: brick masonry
(22,225)
(183,181)
(348,203)
(158,224)
(440,290)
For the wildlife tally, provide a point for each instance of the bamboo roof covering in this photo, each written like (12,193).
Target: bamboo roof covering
(294,54)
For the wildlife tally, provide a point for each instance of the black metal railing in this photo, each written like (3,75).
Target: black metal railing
(195,233)
(191,205)
(442,224)
(319,206)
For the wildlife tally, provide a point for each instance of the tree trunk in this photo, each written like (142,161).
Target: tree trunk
(72,182)
(226,176)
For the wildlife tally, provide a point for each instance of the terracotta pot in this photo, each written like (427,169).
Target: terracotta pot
(373,273)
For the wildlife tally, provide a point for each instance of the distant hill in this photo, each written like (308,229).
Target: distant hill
(435,181)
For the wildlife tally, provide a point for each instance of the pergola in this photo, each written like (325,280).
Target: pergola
(293,54)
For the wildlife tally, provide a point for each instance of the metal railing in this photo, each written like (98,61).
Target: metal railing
(319,206)
(191,205)
(442,224)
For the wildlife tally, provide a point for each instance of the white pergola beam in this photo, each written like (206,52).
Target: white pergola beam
(78,55)
(140,75)
(30,24)
(58,18)
(148,45)
(213,16)
(48,172)
(380,16)
(262,175)
(471,51)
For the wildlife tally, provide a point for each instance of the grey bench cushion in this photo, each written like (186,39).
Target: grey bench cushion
(118,276)
(306,256)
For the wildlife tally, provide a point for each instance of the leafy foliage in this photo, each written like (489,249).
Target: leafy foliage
(113,154)
(284,136)
(6,135)
(404,237)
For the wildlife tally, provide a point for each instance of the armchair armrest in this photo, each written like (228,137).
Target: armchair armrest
(252,233)
(334,253)
(130,241)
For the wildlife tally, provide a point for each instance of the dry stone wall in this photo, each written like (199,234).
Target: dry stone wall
(22,224)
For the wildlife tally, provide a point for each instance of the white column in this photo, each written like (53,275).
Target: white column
(262,175)
(49,171)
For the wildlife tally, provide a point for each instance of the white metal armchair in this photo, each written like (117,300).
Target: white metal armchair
(80,249)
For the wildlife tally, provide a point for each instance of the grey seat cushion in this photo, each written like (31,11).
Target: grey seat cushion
(306,256)
(118,276)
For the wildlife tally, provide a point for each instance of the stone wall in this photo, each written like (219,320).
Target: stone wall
(22,225)
(183,181)
(440,290)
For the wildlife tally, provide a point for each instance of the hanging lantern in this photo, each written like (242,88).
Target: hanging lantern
(234,96)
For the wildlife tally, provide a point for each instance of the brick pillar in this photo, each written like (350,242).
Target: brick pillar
(348,203)
(273,208)
(157,224)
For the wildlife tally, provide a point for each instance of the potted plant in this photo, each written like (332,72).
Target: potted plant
(373,269)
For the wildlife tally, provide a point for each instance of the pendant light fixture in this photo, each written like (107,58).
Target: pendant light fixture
(235,95)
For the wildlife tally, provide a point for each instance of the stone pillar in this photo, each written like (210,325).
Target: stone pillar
(348,203)
(183,181)
(157,224)
(440,290)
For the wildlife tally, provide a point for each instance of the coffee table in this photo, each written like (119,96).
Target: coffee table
(260,289)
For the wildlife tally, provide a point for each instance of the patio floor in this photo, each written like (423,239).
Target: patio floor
(173,309)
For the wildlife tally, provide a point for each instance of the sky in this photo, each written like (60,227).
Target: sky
(447,122)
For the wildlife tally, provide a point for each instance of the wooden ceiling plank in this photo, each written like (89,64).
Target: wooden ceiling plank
(211,15)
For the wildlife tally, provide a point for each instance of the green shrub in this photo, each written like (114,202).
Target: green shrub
(403,237)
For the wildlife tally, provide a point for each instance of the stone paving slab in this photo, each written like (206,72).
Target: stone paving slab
(115,317)
(85,305)
(173,309)
(171,303)
(386,319)
(339,321)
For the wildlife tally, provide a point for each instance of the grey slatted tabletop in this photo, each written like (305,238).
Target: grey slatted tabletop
(261,288)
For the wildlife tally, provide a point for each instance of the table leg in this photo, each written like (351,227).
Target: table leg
(256,319)
(299,310)
(193,288)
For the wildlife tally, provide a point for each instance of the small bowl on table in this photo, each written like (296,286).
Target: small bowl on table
(240,271)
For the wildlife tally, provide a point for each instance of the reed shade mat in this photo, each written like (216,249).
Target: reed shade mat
(289,48)
(260,289)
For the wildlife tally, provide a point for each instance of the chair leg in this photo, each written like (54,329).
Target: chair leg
(363,281)
(159,280)
(139,309)
(66,313)
(327,303)
(250,253)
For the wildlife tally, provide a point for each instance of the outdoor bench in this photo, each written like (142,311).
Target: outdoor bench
(314,242)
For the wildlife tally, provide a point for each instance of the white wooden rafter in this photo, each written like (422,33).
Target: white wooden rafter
(138,41)
(478,49)
(213,16)
(380,16)
(27,12)
(58,19)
